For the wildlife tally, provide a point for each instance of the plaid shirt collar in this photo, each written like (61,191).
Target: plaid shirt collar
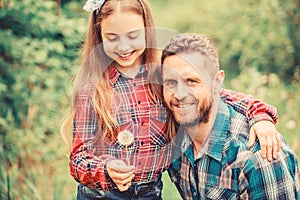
(115,74)
(217,137)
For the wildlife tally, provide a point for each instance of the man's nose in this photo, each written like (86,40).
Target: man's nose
(181,91)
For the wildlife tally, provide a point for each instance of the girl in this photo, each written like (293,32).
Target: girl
(115,91)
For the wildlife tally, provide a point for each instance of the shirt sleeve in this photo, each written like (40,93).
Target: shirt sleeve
(86,166)
(254,109)
(279,179)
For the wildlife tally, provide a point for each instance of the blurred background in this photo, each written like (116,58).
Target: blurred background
(259,48)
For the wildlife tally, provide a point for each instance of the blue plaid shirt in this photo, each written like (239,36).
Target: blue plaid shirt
(227,169)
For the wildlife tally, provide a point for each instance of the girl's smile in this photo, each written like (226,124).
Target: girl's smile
(126,56)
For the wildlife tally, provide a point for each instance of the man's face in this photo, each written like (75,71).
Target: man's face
(187,88)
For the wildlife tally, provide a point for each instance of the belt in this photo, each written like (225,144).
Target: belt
(93,193)
(136,188)
(141,187)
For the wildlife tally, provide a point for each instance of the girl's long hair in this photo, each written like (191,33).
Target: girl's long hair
(94,65)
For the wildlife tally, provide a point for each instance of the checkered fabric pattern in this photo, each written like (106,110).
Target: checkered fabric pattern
(227,169)
(134,110)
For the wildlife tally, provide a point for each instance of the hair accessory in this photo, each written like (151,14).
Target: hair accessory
(92,5)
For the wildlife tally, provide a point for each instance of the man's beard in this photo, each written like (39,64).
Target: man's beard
(203,116)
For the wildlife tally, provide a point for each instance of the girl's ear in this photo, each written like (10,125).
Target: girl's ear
(218,81)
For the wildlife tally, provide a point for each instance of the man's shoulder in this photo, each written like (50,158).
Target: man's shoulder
(235,148)
(248,159)
(238,125)
(238,136)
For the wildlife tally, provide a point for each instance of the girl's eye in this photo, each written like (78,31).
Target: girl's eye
(133,36)
(112,38)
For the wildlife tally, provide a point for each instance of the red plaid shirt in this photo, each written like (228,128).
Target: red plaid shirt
(134,110)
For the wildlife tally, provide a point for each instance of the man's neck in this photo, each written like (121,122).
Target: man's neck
(199,135)
(201,132)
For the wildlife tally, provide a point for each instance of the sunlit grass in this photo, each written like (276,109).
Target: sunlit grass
(169,190)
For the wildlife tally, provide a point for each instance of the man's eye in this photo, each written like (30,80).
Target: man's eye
(191,82)
(170,83)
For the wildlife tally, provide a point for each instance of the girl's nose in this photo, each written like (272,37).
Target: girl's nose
(123,45)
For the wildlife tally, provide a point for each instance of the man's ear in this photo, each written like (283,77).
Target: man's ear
(218,80)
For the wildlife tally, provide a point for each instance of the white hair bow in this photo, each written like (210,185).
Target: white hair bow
(92,5)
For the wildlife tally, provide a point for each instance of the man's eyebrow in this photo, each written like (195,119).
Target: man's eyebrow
(168,79)
(192,77)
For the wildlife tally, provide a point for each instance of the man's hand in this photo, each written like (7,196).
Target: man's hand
(120,173)
(268,137)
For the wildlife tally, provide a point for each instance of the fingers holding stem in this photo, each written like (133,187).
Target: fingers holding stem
(127,155)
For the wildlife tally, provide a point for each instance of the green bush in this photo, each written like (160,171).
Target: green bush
(37,50)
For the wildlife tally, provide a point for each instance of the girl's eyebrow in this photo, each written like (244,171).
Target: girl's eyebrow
(129,32)
(110,34)
(134,31)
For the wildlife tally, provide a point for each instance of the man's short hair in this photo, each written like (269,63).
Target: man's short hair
(191,43)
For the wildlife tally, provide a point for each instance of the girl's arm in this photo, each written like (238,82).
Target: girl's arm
(261,118)
(87,162)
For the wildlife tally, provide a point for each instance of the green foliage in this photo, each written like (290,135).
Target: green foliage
(259,49)
(286,98)
(38,48)
(260,34)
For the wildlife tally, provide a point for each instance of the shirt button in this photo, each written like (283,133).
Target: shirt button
(139,102)
(142,123)
(142,142)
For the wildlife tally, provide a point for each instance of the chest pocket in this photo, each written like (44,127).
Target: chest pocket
(216,192)
(124,120)
(157,126)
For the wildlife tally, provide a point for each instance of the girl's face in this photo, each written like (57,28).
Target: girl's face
(124,41)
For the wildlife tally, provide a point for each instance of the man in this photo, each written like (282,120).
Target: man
(211,159)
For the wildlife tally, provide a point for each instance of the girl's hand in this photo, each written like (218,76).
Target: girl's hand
(120,173)
(268,137)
